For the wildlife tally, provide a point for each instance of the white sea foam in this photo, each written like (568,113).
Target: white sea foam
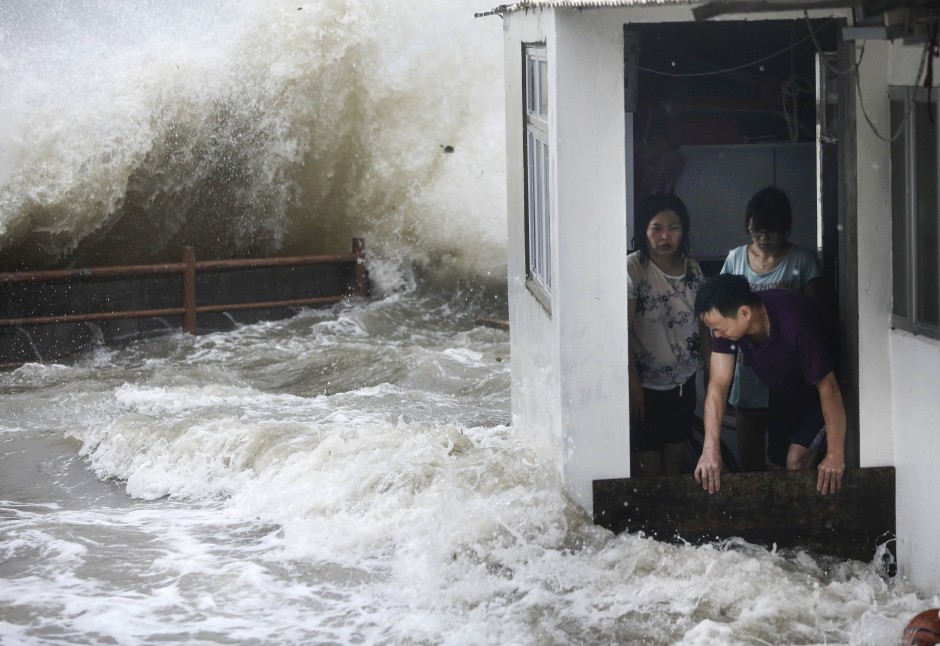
(440,534)
(365,515)
(250,126)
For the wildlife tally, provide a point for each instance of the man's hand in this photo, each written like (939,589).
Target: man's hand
(833,410)
(708,470)
(830,474)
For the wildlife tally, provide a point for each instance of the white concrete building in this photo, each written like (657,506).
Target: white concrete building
(606,98)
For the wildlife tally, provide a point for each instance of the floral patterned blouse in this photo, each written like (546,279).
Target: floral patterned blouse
(665,331)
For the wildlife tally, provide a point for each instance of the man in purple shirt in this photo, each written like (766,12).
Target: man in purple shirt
(781,333)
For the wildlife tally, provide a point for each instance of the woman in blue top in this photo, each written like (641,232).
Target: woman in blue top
(769,261)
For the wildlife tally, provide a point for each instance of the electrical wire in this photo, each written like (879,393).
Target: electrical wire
(855,69)
(790,89)
(908,100)
(822,58)
(789,93)
(732,69)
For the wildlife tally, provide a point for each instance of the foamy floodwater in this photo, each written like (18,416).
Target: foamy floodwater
(351,476)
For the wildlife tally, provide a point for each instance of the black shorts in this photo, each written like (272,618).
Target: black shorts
(668,419)
(788,424)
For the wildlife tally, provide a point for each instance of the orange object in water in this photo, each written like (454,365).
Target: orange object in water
(924,628)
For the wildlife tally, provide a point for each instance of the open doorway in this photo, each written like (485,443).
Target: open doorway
(718,111)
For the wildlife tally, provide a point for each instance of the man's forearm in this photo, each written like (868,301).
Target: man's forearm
(714,413)
(833,410)
(716,397)
(832,467)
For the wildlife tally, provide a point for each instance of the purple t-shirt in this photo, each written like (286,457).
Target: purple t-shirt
(794,357)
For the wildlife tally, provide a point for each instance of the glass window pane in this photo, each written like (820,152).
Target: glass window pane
(927,270)
(899,214)
(530,84)
(546,217)
(537,205)
(530,189)
(538,234)
(543,88)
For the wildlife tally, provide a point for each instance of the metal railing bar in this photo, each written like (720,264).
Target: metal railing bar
(132,271)
(188,270)
(170,311)
(94,316)
(295,302)
(335,259)
(126,271)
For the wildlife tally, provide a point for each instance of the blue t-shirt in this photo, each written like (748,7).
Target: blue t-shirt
(796,269)
(795,356)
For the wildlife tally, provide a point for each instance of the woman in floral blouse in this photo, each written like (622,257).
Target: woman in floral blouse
(665,336)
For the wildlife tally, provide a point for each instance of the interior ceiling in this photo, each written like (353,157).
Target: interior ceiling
(730,81)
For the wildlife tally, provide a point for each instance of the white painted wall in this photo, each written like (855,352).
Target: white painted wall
(874,261)
(591,280)
(915,372)
(915,369)
(536,414)
(569,386)
(898,372)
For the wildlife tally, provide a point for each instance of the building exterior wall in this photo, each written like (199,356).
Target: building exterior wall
(569,367)
(873,228)
(533,332)
(569,385)
(915,371)
(897,372)
(592,272)
(914,368)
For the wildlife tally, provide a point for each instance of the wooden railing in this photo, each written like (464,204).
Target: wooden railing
(188,269)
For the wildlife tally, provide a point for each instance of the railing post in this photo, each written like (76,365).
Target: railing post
(360,288)
(189,290)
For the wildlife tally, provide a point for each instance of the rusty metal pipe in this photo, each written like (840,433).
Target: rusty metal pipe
(133,271)
(188,269)
(94,316)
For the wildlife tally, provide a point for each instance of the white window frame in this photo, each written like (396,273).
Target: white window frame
(915,211)
(537,160)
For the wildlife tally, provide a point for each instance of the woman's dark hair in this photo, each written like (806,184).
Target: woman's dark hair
(649,208)
(725,293)
(769,210)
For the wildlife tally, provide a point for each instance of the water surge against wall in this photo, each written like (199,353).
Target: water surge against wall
(252,128)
